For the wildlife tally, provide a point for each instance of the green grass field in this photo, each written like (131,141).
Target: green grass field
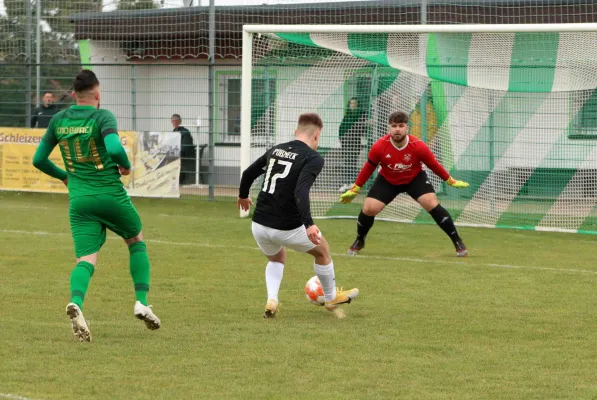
(515,320)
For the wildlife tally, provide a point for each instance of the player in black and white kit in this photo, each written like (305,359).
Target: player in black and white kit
(282,217)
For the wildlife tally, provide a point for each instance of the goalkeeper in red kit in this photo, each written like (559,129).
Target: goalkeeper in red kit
(400,157)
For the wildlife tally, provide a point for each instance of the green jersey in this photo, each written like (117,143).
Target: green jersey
(80,132)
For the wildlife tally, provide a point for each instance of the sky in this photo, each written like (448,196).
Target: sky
(110,5)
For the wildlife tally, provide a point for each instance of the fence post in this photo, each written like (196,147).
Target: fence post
(38,52)
(134,96)
(211,83)
(29,60)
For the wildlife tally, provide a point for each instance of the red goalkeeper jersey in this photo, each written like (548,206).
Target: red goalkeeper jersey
(400,166)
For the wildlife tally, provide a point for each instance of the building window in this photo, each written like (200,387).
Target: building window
(229,107)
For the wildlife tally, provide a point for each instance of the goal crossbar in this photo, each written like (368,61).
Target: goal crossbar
(452,28)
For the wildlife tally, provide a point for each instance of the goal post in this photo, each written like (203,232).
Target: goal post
(245,109)
(512,109)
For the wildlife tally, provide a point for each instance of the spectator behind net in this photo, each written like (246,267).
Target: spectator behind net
(187,151)
(45,112)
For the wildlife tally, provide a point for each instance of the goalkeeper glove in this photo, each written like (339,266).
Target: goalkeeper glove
(456,184)
(350,194)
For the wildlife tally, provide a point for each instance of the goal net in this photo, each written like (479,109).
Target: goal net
(513,113)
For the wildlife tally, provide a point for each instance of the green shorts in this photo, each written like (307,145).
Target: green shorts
(91,215)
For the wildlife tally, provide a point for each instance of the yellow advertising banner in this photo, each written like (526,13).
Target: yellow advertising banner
(154,156)
(17,147)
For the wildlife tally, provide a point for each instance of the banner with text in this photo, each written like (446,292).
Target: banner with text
(154,156)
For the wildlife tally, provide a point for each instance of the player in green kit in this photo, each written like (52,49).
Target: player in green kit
(94,160)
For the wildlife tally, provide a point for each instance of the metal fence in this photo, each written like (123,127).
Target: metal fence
(144,98)
(159,58)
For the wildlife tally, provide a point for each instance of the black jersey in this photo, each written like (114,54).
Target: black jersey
(290,171)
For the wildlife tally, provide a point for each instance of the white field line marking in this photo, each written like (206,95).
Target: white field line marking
(13,396)
(180,216)
(359,257)
(24,207)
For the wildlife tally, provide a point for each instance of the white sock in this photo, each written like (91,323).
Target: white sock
(326,276)
(273,278)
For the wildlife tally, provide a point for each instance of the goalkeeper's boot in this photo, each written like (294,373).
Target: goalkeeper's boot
(342,297)
(354,249)
(271,308)
(461,250)
(145,314)
(78,323)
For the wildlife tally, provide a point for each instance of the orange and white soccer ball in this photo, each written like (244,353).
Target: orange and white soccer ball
(314,291)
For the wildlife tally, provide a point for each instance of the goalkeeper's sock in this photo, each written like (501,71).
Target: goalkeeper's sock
(327,278)
(79,282)
(139,266)
(364,224)
(274,271)
(444,220)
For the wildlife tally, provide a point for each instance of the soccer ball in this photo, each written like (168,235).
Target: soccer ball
(314,291)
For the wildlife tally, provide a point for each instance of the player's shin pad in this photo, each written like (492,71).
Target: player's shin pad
(350,194)
(456,184)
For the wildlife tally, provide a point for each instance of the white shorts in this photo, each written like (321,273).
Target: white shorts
(271,240)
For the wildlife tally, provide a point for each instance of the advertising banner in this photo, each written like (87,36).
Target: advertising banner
(154,156)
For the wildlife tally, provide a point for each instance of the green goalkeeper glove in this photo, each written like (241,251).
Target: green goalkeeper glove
(350,194)
(456,184)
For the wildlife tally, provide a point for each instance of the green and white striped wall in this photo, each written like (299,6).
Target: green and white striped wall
(508,108)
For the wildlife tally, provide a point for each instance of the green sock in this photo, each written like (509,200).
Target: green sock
(140,270)
(79,282)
